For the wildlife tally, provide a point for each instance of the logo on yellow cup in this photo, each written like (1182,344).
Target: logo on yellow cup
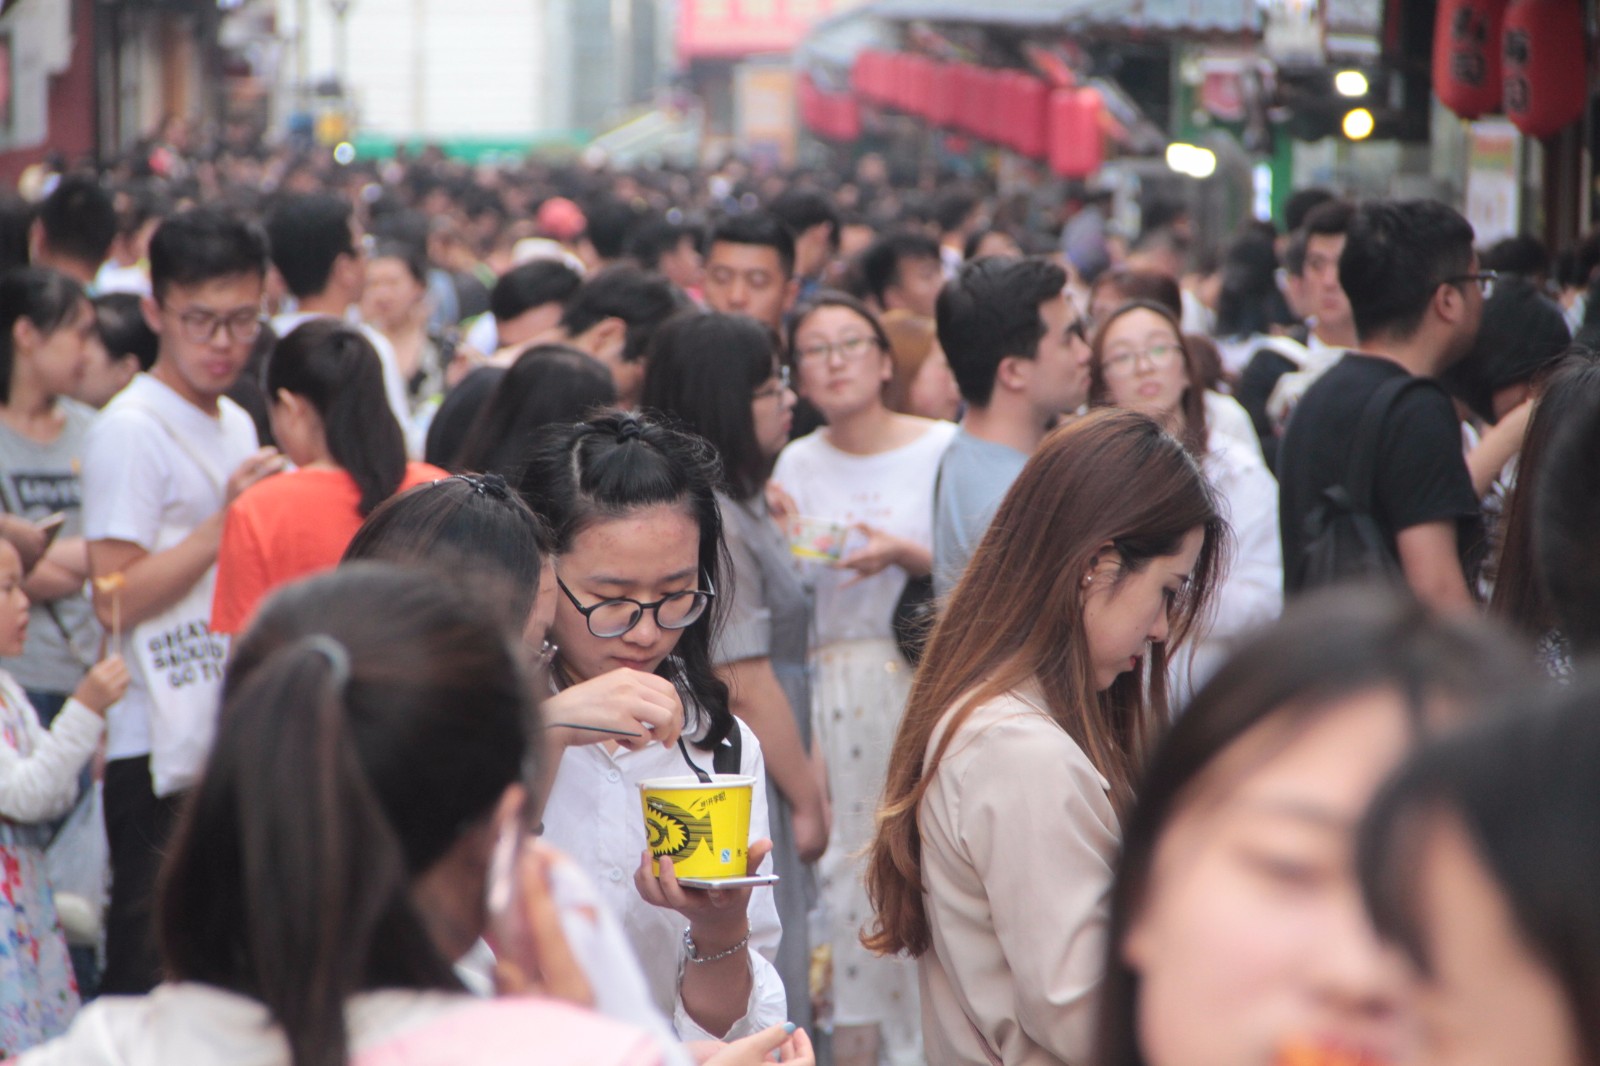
(674,832)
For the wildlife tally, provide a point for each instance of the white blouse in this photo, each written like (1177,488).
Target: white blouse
(594,815)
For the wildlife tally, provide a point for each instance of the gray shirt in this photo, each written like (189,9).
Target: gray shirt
(36,481)
(767,609)
(974,476)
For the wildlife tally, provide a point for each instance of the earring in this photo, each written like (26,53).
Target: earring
(1088,579)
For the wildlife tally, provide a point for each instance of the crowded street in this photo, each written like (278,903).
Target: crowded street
(845,532)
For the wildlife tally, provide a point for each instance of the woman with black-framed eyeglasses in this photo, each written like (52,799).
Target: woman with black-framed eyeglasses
(720,375)
(637,535)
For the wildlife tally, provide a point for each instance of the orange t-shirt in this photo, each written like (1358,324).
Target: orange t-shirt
(284,528)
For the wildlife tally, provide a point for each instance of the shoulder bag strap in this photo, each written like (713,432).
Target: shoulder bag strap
(1359,475)
(219,482)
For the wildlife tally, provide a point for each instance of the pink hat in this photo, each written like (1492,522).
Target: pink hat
(560,218)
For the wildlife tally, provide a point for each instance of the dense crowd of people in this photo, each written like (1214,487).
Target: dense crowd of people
(1133,652)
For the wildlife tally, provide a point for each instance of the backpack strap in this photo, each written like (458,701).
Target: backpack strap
(1362,469)
(729,754)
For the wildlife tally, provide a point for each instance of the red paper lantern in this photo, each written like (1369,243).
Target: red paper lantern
(1466,55)
(1546,75)
(1031,100)
(1077,136)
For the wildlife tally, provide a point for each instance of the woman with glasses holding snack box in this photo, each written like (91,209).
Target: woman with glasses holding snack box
(637,535)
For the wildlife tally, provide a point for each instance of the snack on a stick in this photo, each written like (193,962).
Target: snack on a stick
(112,585)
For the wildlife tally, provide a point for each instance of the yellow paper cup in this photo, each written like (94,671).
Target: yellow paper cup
(703,829)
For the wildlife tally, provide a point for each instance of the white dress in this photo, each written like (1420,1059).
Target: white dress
(858,698)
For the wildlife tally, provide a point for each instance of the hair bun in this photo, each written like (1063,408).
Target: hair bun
(629,428)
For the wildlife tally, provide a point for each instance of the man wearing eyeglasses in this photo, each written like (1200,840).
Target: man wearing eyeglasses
(1018,349)
(1416,293)
(161,464)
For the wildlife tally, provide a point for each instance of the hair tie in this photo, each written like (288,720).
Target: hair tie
(338,658)
(629,429)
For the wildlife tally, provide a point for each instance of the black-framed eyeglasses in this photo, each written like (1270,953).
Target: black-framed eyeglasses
(200,327)
(1485,280)
(614,617)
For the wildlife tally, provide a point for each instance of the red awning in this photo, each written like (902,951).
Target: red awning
(733,29)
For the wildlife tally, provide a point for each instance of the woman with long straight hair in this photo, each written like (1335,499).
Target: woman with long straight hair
(1141,361)
(331,417)
(47,327)
(1571,389)
(868,477)
(720,376)
(1040,694)
(632,511)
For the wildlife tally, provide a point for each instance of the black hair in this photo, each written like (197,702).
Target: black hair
(952,207)
(1301,203)
(703,369)
(1328,647)
(1522,254)
(309,232)
(123,329)
(79,219)
(370,717)
(1329,219)
(47,298)
(205,244)
(1565,520)
(1250,301)
(16,218)
(759,228)
(548,383)
(643,301)
(458,414)
(1396,255)
(473,530)
(801,209)
(657,238)
(333,367)
(412,257)
(978,236)
(1522,332)
(880,263)
(522,288)
(609,466)
(990,310)
(1523,789)
(608,222)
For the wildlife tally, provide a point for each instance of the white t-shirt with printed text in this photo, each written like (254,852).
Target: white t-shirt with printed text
(141,486)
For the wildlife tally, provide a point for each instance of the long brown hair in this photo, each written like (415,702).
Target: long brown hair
(1113,477)
(1195,435)
(1571,386)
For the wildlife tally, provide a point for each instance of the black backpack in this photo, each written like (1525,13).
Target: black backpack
(1343,540)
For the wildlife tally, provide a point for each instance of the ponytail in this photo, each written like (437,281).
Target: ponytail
(336,369)
(319,884)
